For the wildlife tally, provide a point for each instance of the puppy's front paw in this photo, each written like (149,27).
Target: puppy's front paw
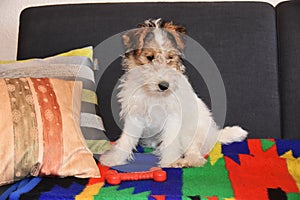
(180,163)
(188,162)
(113,158)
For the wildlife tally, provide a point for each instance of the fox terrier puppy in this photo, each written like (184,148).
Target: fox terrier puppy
(159,106)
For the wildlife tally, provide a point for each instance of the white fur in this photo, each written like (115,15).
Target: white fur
(175,122)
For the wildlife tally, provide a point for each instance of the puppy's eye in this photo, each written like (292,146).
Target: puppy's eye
(150,58)
(170,57)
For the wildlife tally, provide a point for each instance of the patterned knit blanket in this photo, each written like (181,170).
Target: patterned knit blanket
(255,169)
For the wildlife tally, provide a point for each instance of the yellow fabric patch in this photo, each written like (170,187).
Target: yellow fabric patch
(293,166)
(216,153)
(6,62)
(89,96)
(89,192)
(87,52)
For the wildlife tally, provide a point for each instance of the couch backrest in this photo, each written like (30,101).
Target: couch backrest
(240,38)
(288,23)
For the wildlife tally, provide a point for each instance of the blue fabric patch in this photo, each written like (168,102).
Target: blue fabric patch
(64,193)
(11,189)
(141,162)
(20,187)
(172,186)
(284,146)
(234,149)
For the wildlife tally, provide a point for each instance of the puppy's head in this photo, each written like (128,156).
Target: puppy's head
(154,41)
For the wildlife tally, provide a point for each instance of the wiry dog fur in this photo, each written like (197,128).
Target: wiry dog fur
(159,106)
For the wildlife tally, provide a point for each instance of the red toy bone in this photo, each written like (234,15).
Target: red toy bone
(155,173)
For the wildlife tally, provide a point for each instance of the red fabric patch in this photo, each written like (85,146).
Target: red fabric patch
(212,198)
(259,171)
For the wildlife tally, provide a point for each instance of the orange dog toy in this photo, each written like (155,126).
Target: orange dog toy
(155,173)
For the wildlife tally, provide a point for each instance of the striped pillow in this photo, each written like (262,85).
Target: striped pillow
(39,130)
(73,65)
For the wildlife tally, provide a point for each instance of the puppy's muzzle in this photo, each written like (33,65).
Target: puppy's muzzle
(163,86)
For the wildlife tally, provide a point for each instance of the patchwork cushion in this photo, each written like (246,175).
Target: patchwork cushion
(73,65)
(39,130)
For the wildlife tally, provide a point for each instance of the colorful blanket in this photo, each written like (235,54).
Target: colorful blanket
(255,169)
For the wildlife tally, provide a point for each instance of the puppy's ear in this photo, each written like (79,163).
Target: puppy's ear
(126,40)
(133,40)
(129,40)
(177,31)
(177,28)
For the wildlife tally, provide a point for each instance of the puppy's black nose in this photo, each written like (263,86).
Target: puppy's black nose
(163,85)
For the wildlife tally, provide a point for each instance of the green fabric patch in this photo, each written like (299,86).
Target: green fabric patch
(293,196)
(266,144)
(112,192)
(210,180)
(148,150)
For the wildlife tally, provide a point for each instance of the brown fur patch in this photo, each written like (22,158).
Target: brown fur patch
(142,49)
(134,39)
(177,31)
